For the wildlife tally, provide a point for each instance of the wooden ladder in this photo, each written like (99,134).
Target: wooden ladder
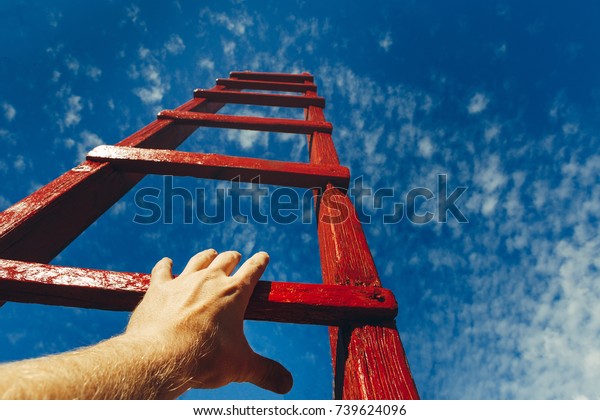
(368,358)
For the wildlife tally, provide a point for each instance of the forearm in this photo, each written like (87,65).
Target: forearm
(120,368)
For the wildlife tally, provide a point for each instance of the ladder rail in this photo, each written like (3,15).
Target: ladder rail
(346,260)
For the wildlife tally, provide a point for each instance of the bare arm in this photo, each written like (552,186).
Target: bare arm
(187,332)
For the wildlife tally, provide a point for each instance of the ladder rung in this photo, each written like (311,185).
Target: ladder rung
(279,125)
(301,303)
(213,166)
(264,85)
(273,77)
(266,99)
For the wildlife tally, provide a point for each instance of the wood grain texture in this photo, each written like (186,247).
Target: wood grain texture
(368,361)
(214,166)
(369,374)
(321,149)
(300,303)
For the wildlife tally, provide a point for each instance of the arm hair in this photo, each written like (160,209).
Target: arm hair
(119,368)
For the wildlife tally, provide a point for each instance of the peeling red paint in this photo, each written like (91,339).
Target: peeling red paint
(214,166)
(301,303)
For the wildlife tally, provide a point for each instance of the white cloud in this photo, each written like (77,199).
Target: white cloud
(9,111)
(298,32)
(19,163)
(144,53)
(206,64)
(93,72)
(133,13)
(88,141)
(489,175)
(570,129)
(119,208)
(55,76)
(501,50)
(492,132)
(386,42)
(228,47)
(72,64)
(246,139)
(530,326)
(155,89)
(237,24)
(489,205)
(7,137)
(72,116)
(53,18)
(426,148)
(69,143)
(175,45)
(477,103)
(150,95)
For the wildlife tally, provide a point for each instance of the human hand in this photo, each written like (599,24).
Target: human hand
(196,321)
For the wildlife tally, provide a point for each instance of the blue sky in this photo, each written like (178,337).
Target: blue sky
(502,97)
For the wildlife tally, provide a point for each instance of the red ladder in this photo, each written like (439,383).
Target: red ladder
(368,358)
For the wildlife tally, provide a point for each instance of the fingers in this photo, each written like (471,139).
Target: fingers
(270,375)
(226,262)
(253,268)
(162,270)
(199,261)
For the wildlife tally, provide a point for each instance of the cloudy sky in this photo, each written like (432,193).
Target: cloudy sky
(501,97)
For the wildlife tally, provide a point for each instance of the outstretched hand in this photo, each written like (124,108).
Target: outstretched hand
(198,316)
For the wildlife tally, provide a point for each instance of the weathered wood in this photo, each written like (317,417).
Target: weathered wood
(272,77)
(346,260)
(41,225)
(368,361)
(300,303)
(375,364)
(213,166)
(263,99)
(321,149)
(264,85)
(278,125)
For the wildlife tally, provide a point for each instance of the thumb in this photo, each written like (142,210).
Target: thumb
(270,375)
